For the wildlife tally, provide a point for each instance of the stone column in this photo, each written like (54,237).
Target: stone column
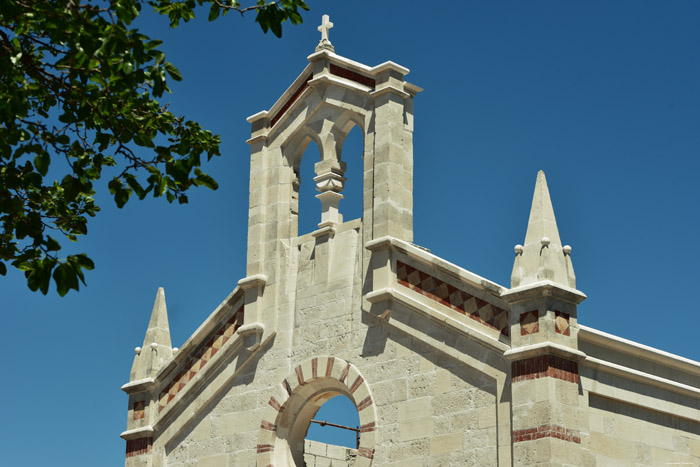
(330,182)
(550,422)
(393,155)
(256,208)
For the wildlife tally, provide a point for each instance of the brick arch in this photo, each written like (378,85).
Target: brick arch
(295,400)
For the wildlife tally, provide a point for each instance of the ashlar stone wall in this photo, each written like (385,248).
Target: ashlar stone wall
(318,454)
(428,408)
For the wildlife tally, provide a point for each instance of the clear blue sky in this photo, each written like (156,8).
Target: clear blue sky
(603,96)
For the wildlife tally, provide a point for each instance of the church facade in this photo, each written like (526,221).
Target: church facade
(443,366)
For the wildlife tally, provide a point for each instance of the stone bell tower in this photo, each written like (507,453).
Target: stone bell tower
(329,98)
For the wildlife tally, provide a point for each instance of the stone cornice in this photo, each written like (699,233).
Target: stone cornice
(256,280)
(638,350)
(549,348)
(541,289)
(143,432)
(263,131)
(430,259)
(389,294)
(141,385)
(641,377)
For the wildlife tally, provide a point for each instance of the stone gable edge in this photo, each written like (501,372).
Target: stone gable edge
(307,79)
(192,344)
(630,384)
(441,315)
(424,256)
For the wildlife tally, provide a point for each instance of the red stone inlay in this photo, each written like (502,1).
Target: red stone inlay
(265,425)
(529,323)
(356,384)
(265,448)
(201,358)
(314,368)
(287,387)
(371,426)
(291,100)
(329,366)
(352,76)
(364,403)
(274,404)
(300,375)
(366,452)
(138,446)
(545,366)
(139,410)
(561,323)
(345,373)
(452,297)
(547,431)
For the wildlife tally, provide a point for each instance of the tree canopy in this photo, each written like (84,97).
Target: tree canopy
(80,91)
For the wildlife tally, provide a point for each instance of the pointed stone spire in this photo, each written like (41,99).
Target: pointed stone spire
(542,257)
(157,348)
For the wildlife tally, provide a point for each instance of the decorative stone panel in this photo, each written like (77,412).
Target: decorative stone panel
(139,410)
(352,76)
(291,100)
(547,431)
(561,323)
(138,446)
(529,322)
(201,358)
(543,366)
(452,297)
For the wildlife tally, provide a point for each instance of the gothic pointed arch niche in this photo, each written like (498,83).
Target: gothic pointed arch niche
(320,167)
(296,400)
(351,151)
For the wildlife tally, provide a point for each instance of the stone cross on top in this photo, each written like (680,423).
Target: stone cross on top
(325,43)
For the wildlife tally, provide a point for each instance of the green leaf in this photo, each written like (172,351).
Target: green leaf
(214,11)
(66,278)
(138,189)
(41,162)
(205,180)
(172,71)
(52,244)
(121,194)
(143,140)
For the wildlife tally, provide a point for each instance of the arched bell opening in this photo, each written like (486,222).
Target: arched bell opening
(304,190)
(320,170)
(351,151)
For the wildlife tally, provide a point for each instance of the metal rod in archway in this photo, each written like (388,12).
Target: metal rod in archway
(356,429)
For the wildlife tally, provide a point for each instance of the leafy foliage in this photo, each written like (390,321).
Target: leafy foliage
(79,93)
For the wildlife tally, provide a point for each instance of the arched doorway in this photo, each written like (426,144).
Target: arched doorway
(297,401)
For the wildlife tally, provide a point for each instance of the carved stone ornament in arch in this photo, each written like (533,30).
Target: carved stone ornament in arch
(327,127)
(295,401)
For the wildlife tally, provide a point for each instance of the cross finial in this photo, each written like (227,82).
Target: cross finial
(325,26)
